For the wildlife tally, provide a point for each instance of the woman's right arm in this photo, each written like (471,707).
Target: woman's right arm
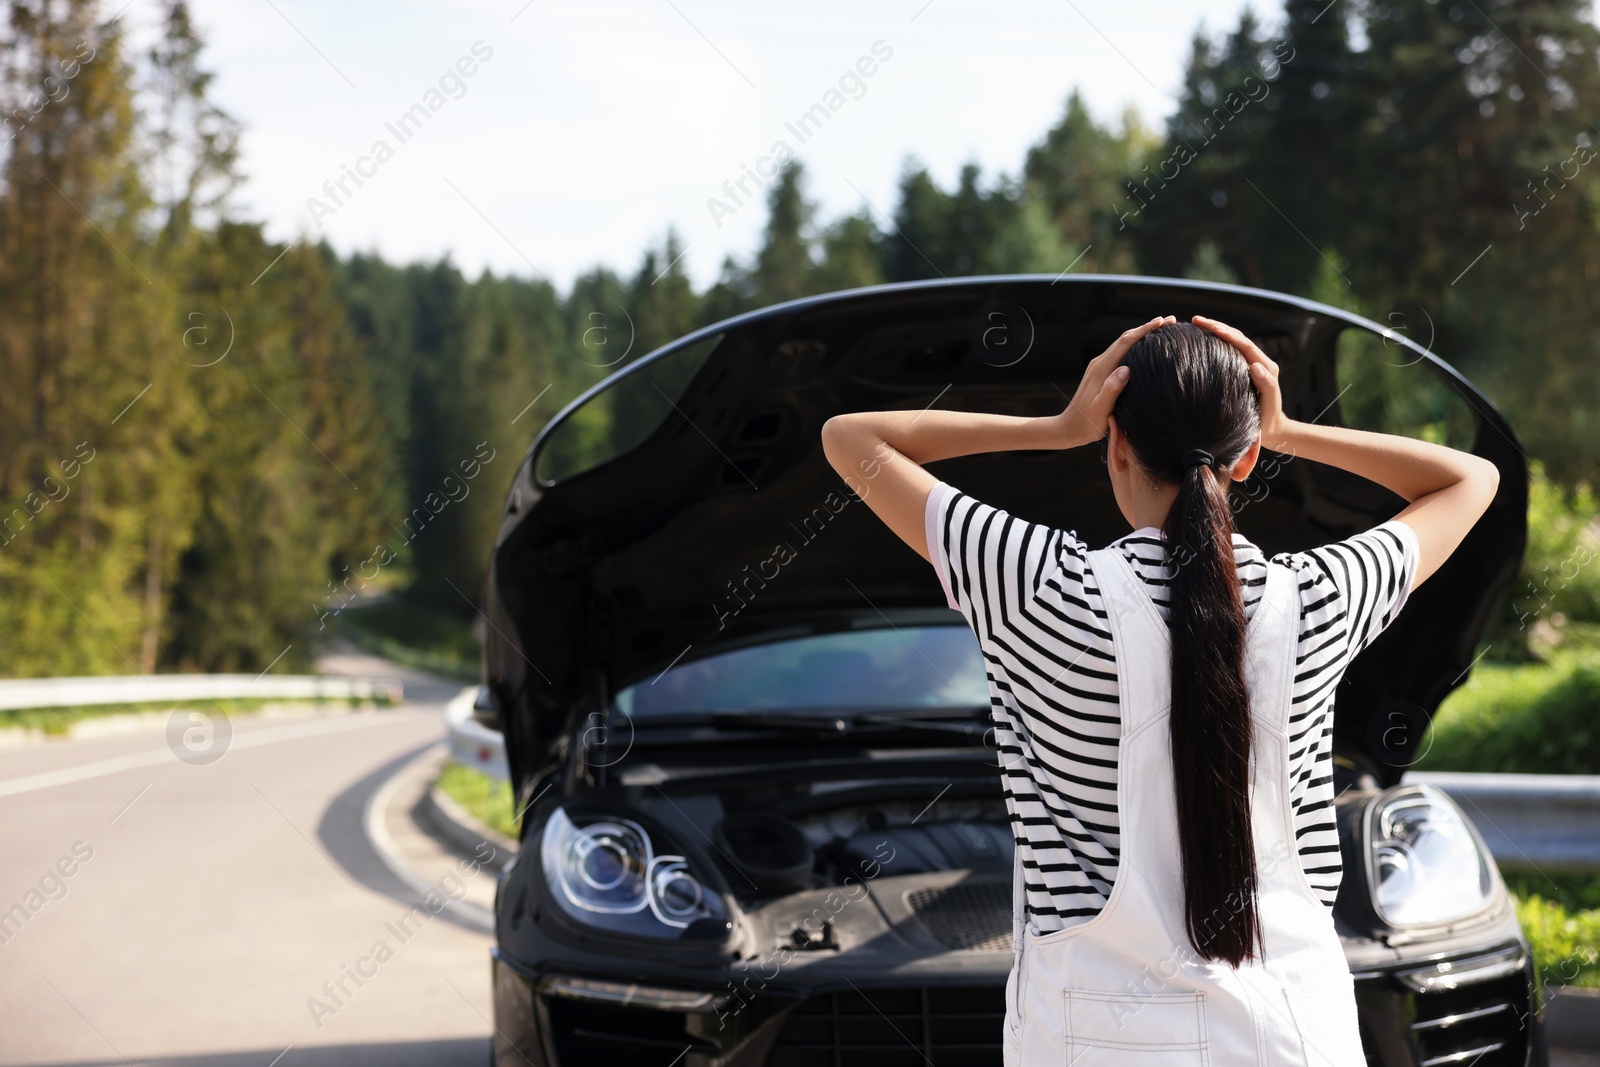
(1447,490)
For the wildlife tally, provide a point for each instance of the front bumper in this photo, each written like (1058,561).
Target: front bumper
(957,1023)
(1476,1009)
(1473,1009)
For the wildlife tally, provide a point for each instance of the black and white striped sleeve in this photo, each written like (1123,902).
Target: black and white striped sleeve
(1369,575)
(990,562)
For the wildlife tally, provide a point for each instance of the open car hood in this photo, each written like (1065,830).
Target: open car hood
(708,515)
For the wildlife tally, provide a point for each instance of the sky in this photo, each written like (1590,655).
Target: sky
(552,138)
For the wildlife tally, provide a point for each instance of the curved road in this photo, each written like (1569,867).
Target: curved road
(172,913)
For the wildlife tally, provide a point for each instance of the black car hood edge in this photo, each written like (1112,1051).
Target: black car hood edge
(708,533)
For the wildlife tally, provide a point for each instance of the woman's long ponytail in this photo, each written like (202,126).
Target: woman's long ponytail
(1189,390)
(1210,723)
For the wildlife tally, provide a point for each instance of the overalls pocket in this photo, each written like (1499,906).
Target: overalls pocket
(1016,987)
(1135,1030)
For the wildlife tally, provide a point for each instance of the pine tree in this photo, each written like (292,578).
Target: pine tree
(851,254)
(78,329)
(1202,182)
(916,246)
(1475,120)
(784,267)
(1077,171)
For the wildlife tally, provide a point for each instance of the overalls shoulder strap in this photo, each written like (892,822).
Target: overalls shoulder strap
(1127,982)
(1144,637)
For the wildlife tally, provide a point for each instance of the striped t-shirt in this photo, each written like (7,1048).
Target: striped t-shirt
(1052,675)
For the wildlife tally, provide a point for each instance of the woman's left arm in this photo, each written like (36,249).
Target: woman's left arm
(880,454)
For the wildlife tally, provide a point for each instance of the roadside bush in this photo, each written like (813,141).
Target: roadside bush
(1541,718)
(1559,584)
(1561,918)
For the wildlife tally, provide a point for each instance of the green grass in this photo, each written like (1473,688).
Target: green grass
(413,636)
(1534,718)
(486,799)
(1561,918)
(57,721)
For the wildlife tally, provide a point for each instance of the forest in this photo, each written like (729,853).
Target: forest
(204,433)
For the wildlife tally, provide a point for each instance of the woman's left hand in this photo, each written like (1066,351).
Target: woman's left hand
(1088,412)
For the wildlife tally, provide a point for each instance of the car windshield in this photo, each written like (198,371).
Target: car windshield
(907,668)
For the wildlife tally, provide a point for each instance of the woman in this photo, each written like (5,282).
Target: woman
(1163,706)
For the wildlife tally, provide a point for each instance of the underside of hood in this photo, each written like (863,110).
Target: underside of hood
(711,515)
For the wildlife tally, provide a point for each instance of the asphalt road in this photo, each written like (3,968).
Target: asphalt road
(213,912)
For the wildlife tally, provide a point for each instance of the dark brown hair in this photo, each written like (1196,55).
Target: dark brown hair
(1188,389)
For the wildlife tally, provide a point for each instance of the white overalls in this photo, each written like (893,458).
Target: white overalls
(1126,988)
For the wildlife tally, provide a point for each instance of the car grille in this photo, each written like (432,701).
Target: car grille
(592,1033)
(952,1026)
(966,917)
(1484,1024)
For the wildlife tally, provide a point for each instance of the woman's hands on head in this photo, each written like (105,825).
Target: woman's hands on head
(1089,411)
(1264,375)
(1447,490)
(880,454)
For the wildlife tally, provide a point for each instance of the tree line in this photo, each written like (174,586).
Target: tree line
(211,442)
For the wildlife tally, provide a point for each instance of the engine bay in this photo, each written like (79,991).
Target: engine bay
(814,841)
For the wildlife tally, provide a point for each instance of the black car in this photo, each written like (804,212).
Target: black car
(764,822)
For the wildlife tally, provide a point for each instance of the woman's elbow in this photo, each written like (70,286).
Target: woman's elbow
(1486,476)
(833,435)
(1489,472)
(837,430)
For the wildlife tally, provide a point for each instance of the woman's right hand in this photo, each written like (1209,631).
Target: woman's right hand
(1446,491)
(1264,374)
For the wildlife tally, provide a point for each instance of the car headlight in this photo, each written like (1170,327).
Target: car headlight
(1425,864)
(604,871)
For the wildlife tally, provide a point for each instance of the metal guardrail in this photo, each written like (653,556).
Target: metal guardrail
(18,693)
(1544,822)
(471,743)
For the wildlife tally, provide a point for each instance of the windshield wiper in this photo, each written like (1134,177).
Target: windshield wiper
(967,728)
(969,722)
(743,720)
(763,720)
